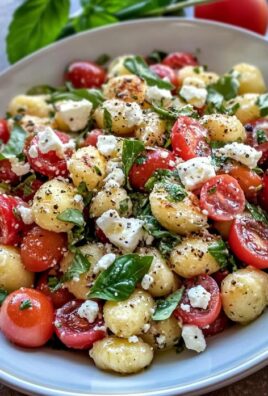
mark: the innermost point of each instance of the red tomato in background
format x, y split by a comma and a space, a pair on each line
248, 239
6, 173
252, 138
188, 139
31, 326
151, 160
84, 74
74, 331
177, 60
4, 131
49, 164
92, 138
198, 316
164, 71
59, 295
222, 197
42, 249
216, 327
249, 14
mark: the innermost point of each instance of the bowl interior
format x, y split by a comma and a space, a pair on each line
53, 372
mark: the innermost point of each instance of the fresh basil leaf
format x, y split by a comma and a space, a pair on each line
219, 251
160, 175
41, 90
154, 228
257, 213
138, 66
26, 185
258, 170
15, 145
83, 191
166, 245
140, 204
165, 308
78, 266
35, 24
225, 88
262, 102
131, 150
93, 17
157, 56
173, 114
3, 295
102, 59
74, 216
176, 192
261, 136
119, 280
107, 120
25, 304
92, 95
123, 206
54, 283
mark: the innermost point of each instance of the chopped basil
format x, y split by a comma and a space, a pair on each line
41, 90
25, 304
212, 190
220, 251
53, 283
107, 120
119, 280
166, 245
262, 102
165, 308
123, 206
160, 175
92, 95
257, 213
5, 186
173, 114
225, 88
97, 170
141, 159
74, 216
26, 185
131, 150
102, 59
78, 266
3, 295
176, 192
261, 136
138, 66
15, 145
258, 170
83, 191
140, 204
156, 56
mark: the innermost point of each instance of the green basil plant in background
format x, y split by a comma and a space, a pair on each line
37, 23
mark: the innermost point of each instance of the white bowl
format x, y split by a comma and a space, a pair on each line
229, 356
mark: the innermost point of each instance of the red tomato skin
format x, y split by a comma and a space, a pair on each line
59, 297
35, 185
220, 275
4, 131
218, 326
6, 173
244, 236
263, 194
92, 138
154, 159
188, 139
31, 327
163, 71
249, 14
226, 202
100, 235
85, 74
49, 164
196, 316
76, 332
42, 249
248, 180
252, 140
177, 60
11, 225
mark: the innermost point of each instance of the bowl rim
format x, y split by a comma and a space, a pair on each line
226, 377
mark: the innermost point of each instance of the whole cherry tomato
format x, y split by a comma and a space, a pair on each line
4, 131
6, 173
85, 74
177, 60
164, 71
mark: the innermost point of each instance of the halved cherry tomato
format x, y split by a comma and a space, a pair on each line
198, 316
85, 74
222, 197
177, 60
164, 71
263, 195
4, 131
216, 327
147, 163
26, 318
248, 240
92, 138
49, 164
220, 275
27, 194
248, 180
42, 249
188, 139
6, 173
74, 331
58, 294
11, 224
257, 136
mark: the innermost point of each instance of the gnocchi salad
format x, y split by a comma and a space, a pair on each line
133, 208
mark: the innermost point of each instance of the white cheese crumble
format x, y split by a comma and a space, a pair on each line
33, 152
115, 179
194, 91
155, 94
199, 297
26, 214
131, 113
185, 307
146, 327
121, 232
194, 338
49, 141
147, 281
89, 310
104, 263
19, 168
106, 144
75, 114
240, 152
112, 165
161, 341
78, 198
195, 172
133, 339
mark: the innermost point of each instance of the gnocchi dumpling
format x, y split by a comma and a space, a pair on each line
31, 105
117, 67
111, 198
250, 79
152, 129
129, 88
248, 109
163, 334
224, 128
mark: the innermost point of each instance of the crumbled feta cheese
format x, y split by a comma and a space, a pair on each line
122, 232
199, 297
240, 152
26, 214
155, 94
19, 168
195, 172
146, 327
99, 328
133, 339
78, 198
48, 140
194, 91
148, 238
112, 165
104, 263
194, 338
130, 112
161, 341
147, 281
106, 144
185, 307
115, 179
75, 114
89, 310
33, 152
